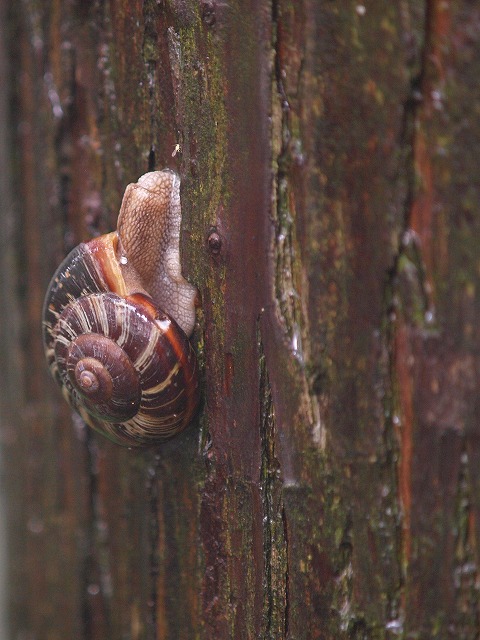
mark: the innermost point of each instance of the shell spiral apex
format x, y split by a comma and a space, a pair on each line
117, 319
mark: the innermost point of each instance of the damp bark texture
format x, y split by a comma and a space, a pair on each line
330, 486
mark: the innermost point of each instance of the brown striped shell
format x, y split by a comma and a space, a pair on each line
123, 363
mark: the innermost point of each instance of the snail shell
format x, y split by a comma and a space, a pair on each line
117, 317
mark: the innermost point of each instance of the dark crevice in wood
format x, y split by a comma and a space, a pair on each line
409, 245
409, 249
406, 143
406, 291
271, 490
287, 574
395, 612
12, 538
465, 568
150, 53
286, 266
153, 537
151, 158
267, 502
63, 149
95, 576
283, 251
86, 570
277, 64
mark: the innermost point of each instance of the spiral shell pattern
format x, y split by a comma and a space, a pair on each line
123, 364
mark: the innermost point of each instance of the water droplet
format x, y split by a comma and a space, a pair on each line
395, 626
35, 525
437, 99
93, 589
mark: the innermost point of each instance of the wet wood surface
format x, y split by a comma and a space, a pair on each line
329, 487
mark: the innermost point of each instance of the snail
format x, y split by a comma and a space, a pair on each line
117, 319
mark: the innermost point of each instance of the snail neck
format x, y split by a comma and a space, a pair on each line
148, 249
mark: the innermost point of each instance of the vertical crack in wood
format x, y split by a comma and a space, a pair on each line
407, 259
466, 574
406, 279
11, 396
287, 293
275, 605
290, 286
415, 241
408, 250
430, 397
96, 577
286, 626
150, 57
153, 559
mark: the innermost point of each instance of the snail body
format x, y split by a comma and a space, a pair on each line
117, 319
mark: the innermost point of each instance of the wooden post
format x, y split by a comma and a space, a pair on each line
329, 486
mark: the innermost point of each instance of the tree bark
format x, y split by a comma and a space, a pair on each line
329, 487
